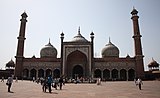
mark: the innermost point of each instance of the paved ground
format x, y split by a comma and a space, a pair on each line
127, 89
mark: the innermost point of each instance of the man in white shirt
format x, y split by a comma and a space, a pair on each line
139, 82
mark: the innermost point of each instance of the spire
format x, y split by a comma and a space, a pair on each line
62, 34
49, 43
79, 31
109, 41
92, 35
134, 12
24, 15
49, 40
153, 59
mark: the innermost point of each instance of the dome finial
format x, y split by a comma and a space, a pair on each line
79, 30
109, 40
49, 40
133, 7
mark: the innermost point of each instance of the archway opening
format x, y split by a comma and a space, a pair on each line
106, 74
114, 74
131, 74
25, 73
77, 58
97, 73
48, 72
41, 73
33, 73
123, 74
77, 72
56, 73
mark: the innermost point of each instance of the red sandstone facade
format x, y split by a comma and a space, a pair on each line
77, 58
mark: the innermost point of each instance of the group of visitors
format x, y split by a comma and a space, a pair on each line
49, 82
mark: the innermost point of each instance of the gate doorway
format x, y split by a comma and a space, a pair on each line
77, 72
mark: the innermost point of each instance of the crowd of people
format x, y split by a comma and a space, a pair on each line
49, 82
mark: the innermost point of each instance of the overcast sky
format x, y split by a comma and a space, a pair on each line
106, 18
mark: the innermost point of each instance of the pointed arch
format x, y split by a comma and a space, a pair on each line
97, 73
76, 58
106, 74
40, 73
33, 73
123, 74
48, 72
114, 74
131, 74
25, 73
56, 73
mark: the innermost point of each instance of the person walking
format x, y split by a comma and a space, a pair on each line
9, 83
61, 82
49, 82
98, 81
44, 84
139, 83
56, 81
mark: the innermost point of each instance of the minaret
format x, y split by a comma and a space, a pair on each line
20, 47
62, 68
137, 45
92, 52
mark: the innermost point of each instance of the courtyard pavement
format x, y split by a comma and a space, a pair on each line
116, 89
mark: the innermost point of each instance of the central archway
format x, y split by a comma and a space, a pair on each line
77, 64
77, 72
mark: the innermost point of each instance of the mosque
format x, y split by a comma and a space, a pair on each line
77, 58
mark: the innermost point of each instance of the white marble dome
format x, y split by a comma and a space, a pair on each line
110, 50
49, 51
79, 37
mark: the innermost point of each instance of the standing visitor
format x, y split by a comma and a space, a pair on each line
139, 83
9, 83
56, 81
33, 79
98, 81
44, 84
49, 82
61, 82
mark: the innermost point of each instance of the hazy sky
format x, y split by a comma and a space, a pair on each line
106, 18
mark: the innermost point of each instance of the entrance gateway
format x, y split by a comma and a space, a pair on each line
76, 64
